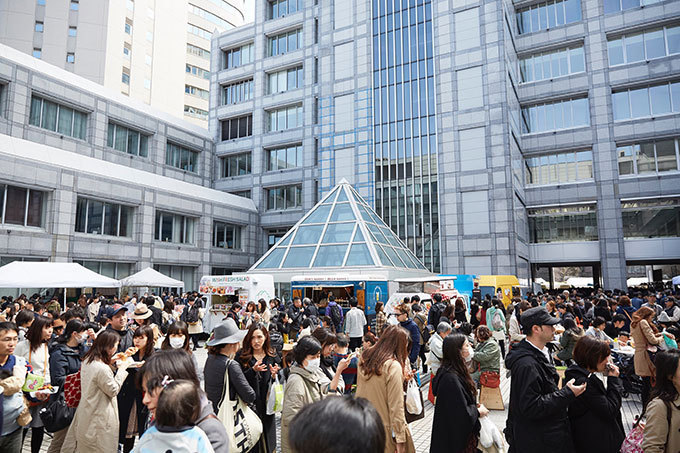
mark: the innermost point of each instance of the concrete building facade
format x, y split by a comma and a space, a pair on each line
531, 138
151, 50
96, 177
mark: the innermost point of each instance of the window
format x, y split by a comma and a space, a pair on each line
284, 80
22, 206
555, 115
148, 60
180, 157
648, 158
70, 57
237, 127
125, 77
199, 52
39, 27
646, 101
273, 236
547, 15
647, 45
235, 165
207, 15
198, 92
466, 29
239, 56
286, 197
198, 31
563, 224
147, 84
284, 42
559, 168
72, 31
184, 273
75, 5
41, 2
198, 72
226, 235
127, 140
237, 92
613, 6
149, 36
282, 158
552, 64
242, 193
651, 218
127, 50
195, 112
128, 26
174, 228
58, 118
37, 53
108, 269
284, 118
279, 8
100, 217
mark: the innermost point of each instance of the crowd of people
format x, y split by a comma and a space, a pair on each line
110, 375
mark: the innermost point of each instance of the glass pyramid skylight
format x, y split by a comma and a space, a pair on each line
341, 231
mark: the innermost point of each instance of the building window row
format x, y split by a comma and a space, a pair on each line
198, 31
58, 118
238, 127
210, 17
286, 197
198, 51
613, 6
181, 157
559, 168
236, 165
282, 158
21, 206
563, 224
195, 112
198, 92
174, 228
99, 217
127, 140
227, 236
646, 45
279, 8
646, 101
243, 193
552, 64
651, 218
198, 72
285, 80
547, 15
237, 92
284, 42
284, 118
555, 115
239, 56
108, 268
649, 158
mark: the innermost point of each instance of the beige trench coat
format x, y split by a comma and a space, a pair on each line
642, 336
657, 428
302, 388
95, 426
386, 393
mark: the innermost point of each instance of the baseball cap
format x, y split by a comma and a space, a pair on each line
537, 316
113, 310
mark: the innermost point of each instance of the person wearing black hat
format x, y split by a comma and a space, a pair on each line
537, 416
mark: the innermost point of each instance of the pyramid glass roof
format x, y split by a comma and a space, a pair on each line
342, 231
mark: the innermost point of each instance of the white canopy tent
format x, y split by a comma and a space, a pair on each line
676, 280
44, 274
151, 278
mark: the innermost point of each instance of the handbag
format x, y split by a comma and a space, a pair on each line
490, 379
275, 397
72, 389
414, 409
56, 415
633, 441
242, 424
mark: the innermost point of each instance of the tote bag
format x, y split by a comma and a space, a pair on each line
242, 424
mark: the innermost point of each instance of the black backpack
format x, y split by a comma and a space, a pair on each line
336, 317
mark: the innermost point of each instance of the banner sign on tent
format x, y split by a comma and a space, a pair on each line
222, 285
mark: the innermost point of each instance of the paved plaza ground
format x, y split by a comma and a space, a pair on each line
421, 429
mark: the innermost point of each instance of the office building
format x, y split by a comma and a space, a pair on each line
538, 139
156, 51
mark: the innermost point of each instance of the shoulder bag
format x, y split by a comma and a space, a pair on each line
72, 389
633, 441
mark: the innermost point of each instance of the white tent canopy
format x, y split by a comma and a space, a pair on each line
151, 278
27, 274
676, 280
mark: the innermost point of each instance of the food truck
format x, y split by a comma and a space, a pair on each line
368, 289
425, 287
223, 290
507, 285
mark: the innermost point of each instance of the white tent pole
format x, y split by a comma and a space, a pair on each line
64, 299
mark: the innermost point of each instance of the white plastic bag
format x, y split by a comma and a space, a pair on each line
486, 432
275, 397
414, 404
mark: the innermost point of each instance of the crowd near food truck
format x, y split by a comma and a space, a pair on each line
505, 285
425, 287
223, 290
368, 289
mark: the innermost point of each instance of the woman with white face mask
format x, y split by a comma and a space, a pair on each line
303, 386
177, 337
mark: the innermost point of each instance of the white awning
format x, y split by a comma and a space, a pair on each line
26, 274
151, 278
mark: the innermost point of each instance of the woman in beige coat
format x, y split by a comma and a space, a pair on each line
646, 336
95, 426
380, 379
660, 434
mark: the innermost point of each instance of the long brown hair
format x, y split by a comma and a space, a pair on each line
645, 313
101, 348
394, 343
146, 331
34, 334
247, 350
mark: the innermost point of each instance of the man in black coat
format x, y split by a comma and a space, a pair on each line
537, 417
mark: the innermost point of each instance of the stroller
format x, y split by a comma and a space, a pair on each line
632, 383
